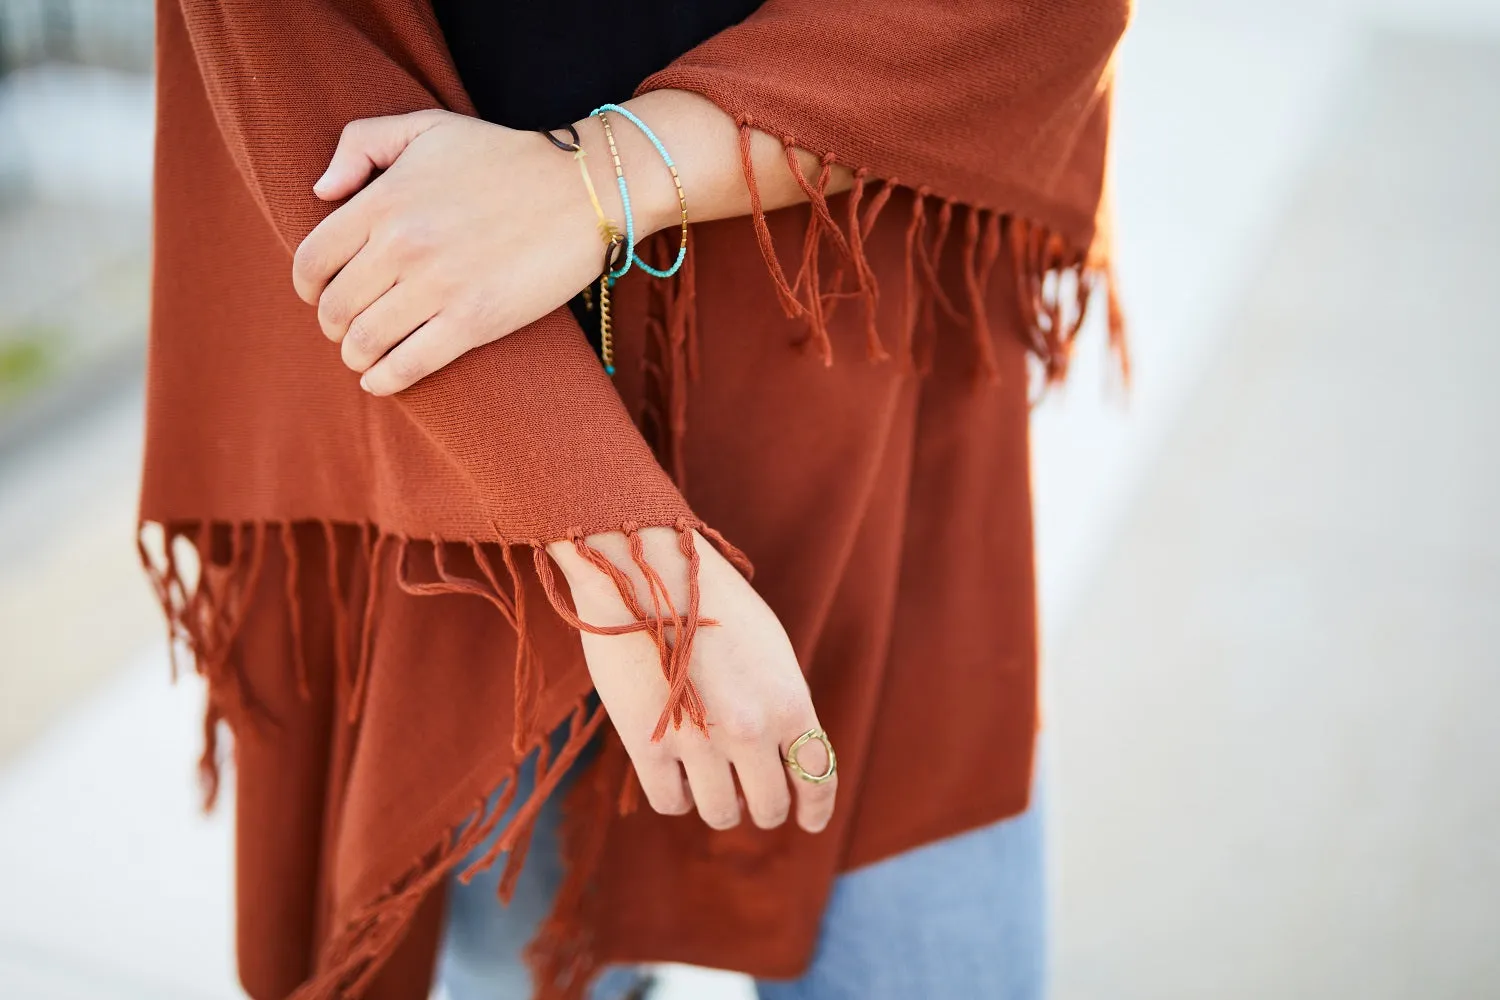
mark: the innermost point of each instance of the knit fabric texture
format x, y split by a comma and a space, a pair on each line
841, 389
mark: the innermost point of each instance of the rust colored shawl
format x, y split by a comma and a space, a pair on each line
840, 388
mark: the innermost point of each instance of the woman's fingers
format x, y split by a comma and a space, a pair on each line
712, 788
430, 347
332, 244
663, 784
368, 145
387, 321
763, 780
363, 280
814, 798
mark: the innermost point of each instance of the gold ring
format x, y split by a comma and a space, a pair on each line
791, 757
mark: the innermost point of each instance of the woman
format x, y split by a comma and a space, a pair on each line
382, 544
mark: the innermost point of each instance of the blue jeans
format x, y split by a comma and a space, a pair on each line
961, 918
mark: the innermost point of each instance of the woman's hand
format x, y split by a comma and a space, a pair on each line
744, 668
473, 231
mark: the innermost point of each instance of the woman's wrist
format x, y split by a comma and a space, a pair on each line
705, 144
653, 196
595, 594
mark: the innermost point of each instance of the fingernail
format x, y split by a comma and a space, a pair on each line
322, 182
364, 383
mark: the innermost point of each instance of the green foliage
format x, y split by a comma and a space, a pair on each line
25, 359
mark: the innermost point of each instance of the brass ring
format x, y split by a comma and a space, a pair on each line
790, 760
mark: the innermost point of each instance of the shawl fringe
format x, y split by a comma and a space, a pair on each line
205, 574
1056, 280
1057, 283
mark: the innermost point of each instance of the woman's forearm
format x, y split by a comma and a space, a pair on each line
472, 230
705, 144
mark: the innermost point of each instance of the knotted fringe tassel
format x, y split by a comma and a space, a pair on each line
352, 958
914, 231
1056, 284
205, 576
1055, 280
376, 576
976, 277
1046, 269
671, 633
809, 285
527, 669
805, 297
868, 288
294, 609
784, 293
336, 597
207, 600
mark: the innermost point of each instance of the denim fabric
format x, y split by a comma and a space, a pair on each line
483, 941
961, 919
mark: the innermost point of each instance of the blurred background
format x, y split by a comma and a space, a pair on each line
1271, 576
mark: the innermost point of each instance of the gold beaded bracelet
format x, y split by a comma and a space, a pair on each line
608, 231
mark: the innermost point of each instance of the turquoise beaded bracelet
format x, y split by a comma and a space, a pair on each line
625, 193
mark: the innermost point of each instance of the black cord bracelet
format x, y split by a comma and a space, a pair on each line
565, 147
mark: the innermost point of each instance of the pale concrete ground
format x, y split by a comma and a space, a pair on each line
73, 277
1278, 768
74, 604
1266, 580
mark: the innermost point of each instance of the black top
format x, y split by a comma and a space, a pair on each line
539, 65
542, 65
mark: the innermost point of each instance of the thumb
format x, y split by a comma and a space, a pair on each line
367, 145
